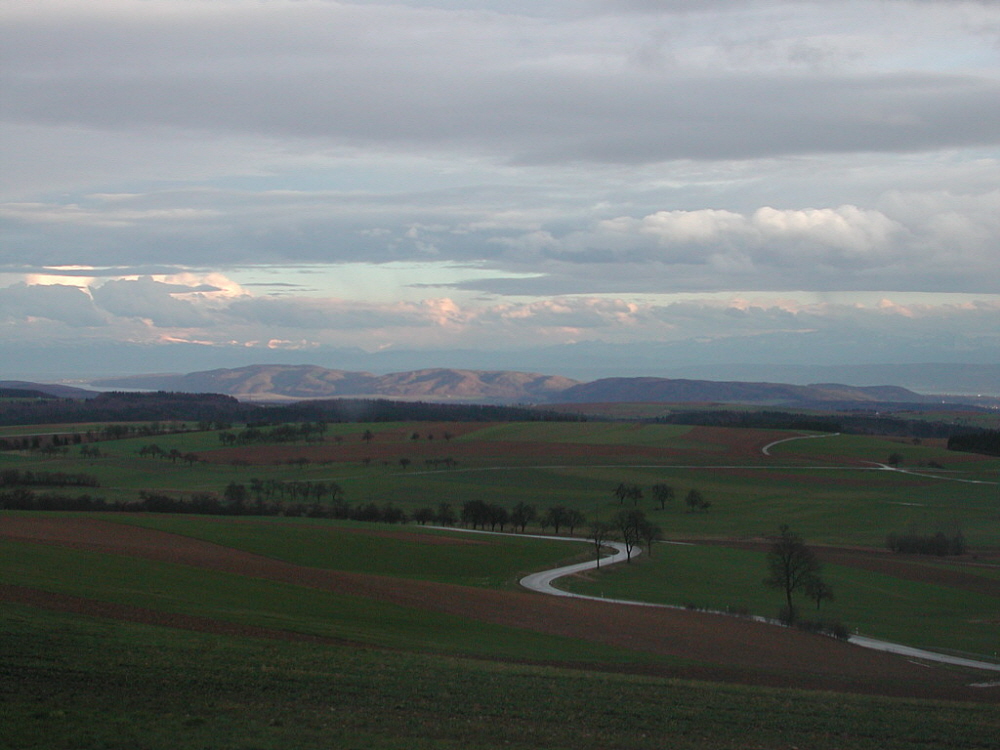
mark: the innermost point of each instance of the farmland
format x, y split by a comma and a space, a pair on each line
229, 631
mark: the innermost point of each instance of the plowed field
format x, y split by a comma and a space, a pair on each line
726, 648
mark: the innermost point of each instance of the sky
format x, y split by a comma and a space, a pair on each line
497, 181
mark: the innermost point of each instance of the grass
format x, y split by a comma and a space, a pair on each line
828, 504
915, 613
227, 597
78, 683
403, 552
430, 680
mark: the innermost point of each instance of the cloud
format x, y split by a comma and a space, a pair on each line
329, 315
581, 160
931, 242
150, 300
57, 302
846, 234
401, 78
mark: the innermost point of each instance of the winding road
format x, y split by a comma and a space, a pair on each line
542, 583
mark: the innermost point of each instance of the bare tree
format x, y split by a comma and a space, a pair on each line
600, 531
628, 524
522, 515
791, 566
574, 518
556, 516
628, 491
818, 590
695, 501
649, 532
662, 493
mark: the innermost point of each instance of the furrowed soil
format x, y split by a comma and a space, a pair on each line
728, 649
710, 444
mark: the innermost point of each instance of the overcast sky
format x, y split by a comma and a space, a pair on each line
303, 175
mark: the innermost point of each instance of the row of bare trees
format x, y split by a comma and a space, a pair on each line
662, 494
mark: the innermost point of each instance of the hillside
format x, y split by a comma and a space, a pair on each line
310, 382
259, 382
665, 390
43, 390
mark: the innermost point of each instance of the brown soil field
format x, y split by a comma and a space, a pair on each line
723, 648
511, 451
720, 445
739, 443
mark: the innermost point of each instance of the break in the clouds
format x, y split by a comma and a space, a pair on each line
498, 173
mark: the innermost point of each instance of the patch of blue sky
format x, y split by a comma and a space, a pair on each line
372, 282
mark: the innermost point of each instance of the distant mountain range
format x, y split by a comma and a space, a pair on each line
260, 382
285, 382
27, 389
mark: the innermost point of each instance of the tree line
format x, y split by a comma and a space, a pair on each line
939, 544
200, 503
857, 422
27, 478
214, 407
281, 433
983, 441
662, 493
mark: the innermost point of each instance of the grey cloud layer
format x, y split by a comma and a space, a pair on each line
152, 311
613, 148
409, 78
909, 241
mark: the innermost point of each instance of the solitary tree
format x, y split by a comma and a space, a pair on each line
662, 493
791, 566
695, 501
817, 589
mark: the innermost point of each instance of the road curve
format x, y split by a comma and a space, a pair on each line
542, 583
766, 450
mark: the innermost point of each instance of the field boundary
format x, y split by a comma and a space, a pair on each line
542, 582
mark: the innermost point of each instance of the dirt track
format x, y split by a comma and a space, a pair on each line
727, 648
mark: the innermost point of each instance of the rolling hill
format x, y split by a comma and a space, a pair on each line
260, 382
311, 382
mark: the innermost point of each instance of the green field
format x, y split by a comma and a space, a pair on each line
332, 545
817, 486
874, 604
396, 676
156, 688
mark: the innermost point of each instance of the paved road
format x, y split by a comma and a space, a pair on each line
542, 583
766, 450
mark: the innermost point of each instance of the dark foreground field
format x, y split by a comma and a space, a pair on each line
105, 664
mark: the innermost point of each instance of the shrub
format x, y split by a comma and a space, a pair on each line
927, 544
835, 629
